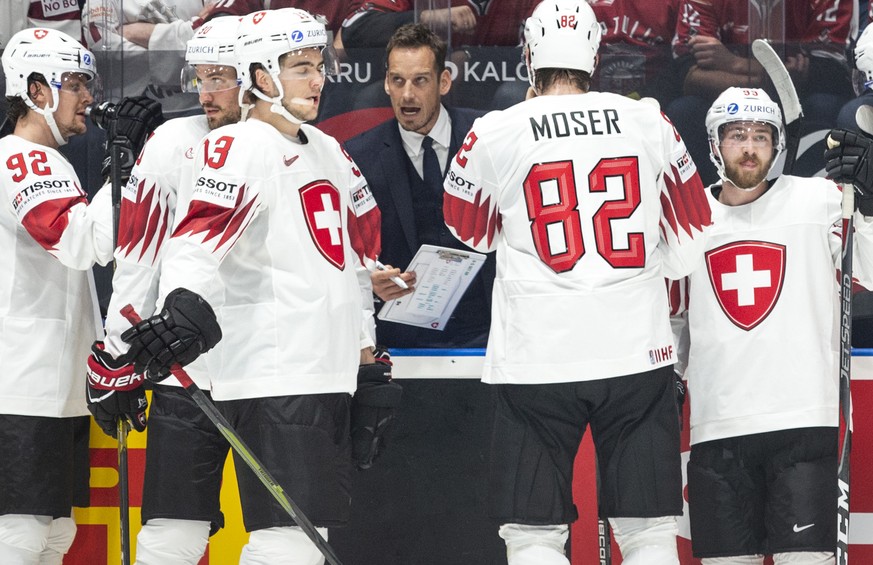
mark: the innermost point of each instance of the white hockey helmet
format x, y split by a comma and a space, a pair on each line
562, 34
864, 58
51, 53
742, 105
265, 36
214, 45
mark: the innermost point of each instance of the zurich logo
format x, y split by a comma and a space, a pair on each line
733, 108
296, 36
86, 58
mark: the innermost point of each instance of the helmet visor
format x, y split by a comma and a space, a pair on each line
309, 64
757, 134
209, 78
79, 84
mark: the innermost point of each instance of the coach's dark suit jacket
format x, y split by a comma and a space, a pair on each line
432, 475
380, 155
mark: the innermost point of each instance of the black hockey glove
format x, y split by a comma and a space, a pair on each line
180, 333
373, 409
134, 119
114, 391
850, 162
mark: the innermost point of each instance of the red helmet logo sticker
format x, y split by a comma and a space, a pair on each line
747, 277
40, 33
258, 17
324, 218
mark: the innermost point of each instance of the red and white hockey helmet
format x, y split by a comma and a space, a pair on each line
48, 52
267, 35
742, 105
57, 57
562, 34
264, 37
214, 45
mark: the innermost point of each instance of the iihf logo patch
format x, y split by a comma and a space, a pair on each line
296, 36
661, 354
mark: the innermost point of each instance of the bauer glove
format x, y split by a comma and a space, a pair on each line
850, 162
114, 391
133, 121
373, 409
180, 333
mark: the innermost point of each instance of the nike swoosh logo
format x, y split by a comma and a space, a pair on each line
290, 160
801, 528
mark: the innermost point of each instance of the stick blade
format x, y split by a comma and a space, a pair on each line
775, 68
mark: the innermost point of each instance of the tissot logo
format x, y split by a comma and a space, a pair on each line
747, 277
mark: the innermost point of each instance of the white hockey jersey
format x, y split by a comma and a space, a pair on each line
49, 239
265, 241
762, 313
589, 200
148, 207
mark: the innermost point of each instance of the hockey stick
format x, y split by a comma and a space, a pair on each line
604, 538
123, 490
604, 542
845, 370
123, 426
241, 449
791, 109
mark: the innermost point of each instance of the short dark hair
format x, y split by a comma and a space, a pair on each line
18, 107
545, 78
412, 36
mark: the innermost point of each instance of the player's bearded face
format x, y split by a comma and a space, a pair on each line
75, 96
415, 87
219, 95
747, 152
302, 77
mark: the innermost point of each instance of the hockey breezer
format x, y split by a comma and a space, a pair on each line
788, 98
240, 447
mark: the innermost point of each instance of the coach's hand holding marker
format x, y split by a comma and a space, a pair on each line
389, 283
395, 279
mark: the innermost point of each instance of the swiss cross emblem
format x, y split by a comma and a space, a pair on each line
40, 33
321, 205
258, 17
747, 278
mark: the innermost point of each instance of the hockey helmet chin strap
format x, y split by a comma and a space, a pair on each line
276, 105
49, 114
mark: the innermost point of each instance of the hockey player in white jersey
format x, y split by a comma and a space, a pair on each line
590, 199
763, 349
266, 241
50, 237
185, 453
